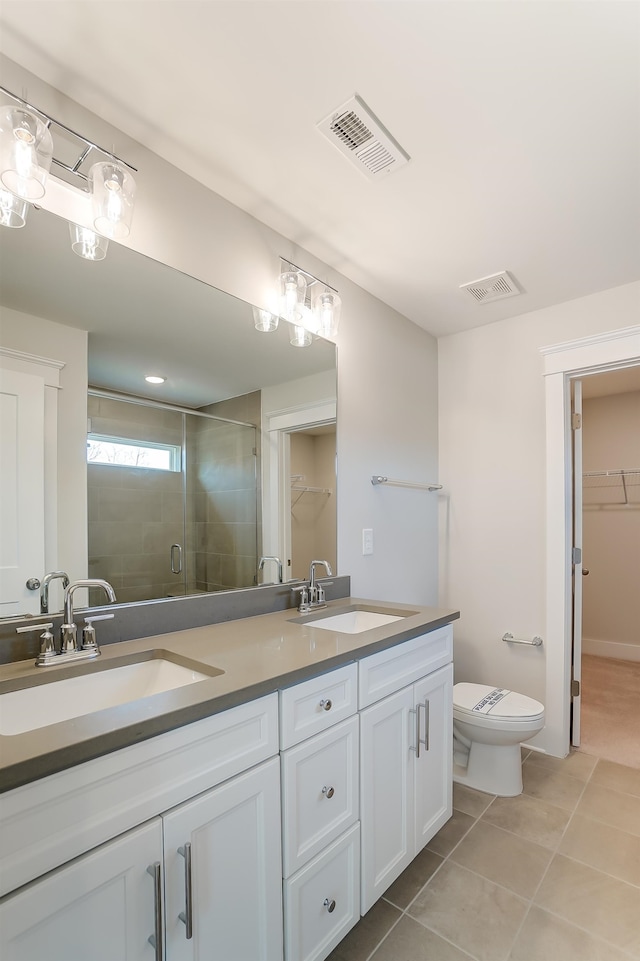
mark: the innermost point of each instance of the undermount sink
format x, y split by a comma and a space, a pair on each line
49, 701
354, 621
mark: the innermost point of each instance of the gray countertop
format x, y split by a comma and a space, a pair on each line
258, 655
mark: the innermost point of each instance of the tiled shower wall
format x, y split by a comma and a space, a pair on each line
136, 514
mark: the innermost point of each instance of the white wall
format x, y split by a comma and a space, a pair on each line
611, 531
492, 463
35, 335
387, 367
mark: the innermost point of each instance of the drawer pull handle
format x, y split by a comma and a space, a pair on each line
155, 939
328, 792
330, 905
326, 704
186, 916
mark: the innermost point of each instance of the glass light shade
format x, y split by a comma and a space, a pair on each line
264, 320
26, 150
300, 336
88, 244
113, 190
13, 210
326, 306
293, 290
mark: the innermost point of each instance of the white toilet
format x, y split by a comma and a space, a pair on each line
488, 726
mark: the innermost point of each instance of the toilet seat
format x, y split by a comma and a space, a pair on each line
482, 704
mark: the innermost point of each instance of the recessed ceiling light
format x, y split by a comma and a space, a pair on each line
153, 379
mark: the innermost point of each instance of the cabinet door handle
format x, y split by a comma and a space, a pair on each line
427, 724
329, 904
155, 939
328, 792
186, 916
326, 704
416, 711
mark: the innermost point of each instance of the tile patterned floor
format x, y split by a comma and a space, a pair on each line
551, 875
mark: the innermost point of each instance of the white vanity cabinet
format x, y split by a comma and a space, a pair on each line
406, 694
212, 861
320, 812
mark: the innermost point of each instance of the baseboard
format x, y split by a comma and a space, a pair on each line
614, 649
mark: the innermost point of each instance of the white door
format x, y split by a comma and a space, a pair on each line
433, 780
223, 871
387, 753
21, 490
576, 560
100, 907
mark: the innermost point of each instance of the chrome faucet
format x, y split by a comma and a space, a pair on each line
69, 649
312, 595
44, 588
271, 557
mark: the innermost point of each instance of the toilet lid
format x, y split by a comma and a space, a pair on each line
498, 702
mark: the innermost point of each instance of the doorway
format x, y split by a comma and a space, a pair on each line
616, 349
610, 519
312, 469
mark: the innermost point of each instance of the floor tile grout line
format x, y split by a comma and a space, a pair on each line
590, 934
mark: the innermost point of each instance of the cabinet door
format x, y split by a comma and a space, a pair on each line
433, 776
387, 752
231, 836
97, 908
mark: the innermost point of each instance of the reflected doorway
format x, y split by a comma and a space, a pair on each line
312, 511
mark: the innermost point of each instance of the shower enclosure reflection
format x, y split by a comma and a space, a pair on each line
173, 499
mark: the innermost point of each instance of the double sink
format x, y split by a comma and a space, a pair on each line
50, 699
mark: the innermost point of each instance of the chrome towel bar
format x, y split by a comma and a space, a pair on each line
379, 479
535, 641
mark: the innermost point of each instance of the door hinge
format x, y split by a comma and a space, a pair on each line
576, 421
576, 555
575, 688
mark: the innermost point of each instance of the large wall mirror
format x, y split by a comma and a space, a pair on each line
191, 482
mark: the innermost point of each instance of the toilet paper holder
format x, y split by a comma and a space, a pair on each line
534, 642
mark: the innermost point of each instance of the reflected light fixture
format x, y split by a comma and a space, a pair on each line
300, 336
26, 152
264, 320
113, 190
154, 379
13, 210
88, 244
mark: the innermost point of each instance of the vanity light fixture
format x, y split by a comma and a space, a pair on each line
313, 307
87, 243
264, 320
26, 152
154, 379
13, 210
28, 138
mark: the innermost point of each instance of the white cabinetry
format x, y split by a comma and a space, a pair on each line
320, 810
405, 755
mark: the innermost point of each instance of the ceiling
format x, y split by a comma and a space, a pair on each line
521, 119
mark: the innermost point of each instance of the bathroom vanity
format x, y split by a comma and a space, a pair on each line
258, 812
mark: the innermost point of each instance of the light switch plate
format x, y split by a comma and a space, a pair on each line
367, 540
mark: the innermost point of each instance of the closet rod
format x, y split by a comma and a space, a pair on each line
379, 479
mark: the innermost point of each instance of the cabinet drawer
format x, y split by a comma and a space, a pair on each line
39, 822
320, 792
321, 902
387, 671
316, 704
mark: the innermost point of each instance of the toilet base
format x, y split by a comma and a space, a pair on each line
492, 768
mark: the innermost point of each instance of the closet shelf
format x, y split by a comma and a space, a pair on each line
611, 487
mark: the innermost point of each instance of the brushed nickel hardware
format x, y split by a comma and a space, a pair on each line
380, 479
33, 584
176, 568
417, 731
328, 792
330, 905
276, 560
534, 642
427, 724
155, 939
186, 916
69, 650
47, 642
326, 704
312, 595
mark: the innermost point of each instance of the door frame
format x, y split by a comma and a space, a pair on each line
612, 350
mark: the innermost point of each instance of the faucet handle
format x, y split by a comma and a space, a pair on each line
89, 642
98, 617
304, 596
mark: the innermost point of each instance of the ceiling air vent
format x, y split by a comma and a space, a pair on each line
496, 287
356, 132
